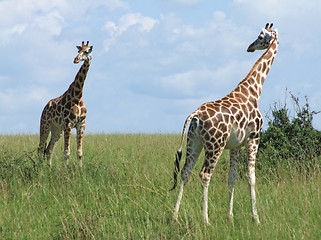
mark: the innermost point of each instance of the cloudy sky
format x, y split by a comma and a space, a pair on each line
154, 61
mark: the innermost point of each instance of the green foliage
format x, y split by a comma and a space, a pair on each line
291, 141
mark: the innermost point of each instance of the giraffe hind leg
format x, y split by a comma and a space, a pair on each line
211, 158
55, 135
193, 150
44, 133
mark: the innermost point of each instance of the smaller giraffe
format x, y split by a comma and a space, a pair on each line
229, 123
68, 111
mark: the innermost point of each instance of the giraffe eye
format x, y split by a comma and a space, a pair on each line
260, 37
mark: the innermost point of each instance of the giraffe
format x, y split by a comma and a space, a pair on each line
229, 123
68, 111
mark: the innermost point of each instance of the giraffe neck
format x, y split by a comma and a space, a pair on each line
76, 87
253, 82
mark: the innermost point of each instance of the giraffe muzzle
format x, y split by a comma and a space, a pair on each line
251, 48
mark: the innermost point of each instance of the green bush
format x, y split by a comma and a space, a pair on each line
290, 141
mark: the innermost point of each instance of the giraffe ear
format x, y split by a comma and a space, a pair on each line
90, 49
78, 47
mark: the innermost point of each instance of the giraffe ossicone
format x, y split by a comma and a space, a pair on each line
229, 123
66, 112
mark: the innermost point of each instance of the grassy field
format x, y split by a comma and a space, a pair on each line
122, 193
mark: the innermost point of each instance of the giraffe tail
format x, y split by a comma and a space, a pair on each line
179, 152
177, 168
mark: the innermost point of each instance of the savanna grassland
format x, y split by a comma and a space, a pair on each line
122, 193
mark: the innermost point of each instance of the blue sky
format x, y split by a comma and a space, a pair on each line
154, 62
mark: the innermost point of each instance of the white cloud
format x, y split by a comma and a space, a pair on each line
52, 23
111, 28
188, 2
219, 34
17, 29
198, 83
141, 24
17, 99
296, 21
145, 24
112, 4
7, 34
32, 18
45, 18
277, 9
191, 53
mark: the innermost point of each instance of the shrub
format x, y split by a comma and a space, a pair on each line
290, 141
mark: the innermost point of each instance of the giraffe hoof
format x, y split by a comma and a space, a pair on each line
256, 220
174, 218
207, 223
230, 218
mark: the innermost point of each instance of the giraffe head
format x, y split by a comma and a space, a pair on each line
264, 39
84, 52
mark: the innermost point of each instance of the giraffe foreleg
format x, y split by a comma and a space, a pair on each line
80, 133
67, 134
252, 148
234, 155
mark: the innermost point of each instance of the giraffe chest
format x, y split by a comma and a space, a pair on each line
69, 114
237, 139
242, 131
75, 114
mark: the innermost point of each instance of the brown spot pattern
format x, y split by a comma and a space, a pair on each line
64, 113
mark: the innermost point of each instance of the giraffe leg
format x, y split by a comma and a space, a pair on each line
211, 158
205, 185
193, 150
178, 201
67, 134
234, 155
80, 133
252, 150
44, 133
55, 135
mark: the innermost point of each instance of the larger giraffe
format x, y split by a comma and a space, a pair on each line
228, 123
66, 112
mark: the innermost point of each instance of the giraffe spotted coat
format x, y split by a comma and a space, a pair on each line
229, 123
68, 111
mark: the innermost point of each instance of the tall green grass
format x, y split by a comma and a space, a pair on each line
122, 193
